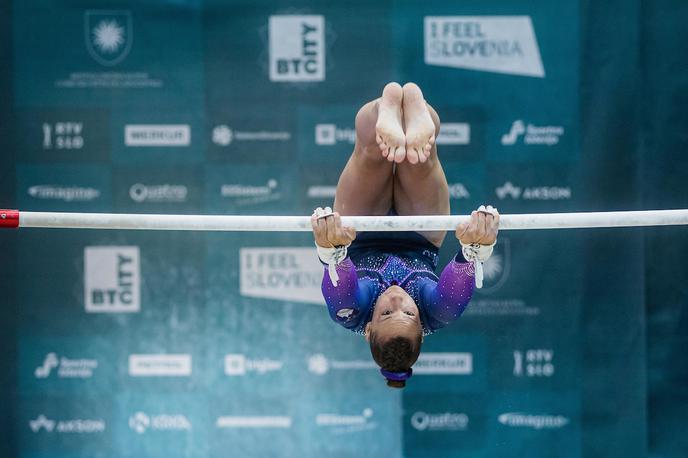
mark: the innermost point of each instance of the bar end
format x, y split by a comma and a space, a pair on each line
9, 218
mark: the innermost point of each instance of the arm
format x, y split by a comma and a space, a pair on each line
446, 301
349, 301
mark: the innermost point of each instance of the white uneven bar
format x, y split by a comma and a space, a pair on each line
361, 223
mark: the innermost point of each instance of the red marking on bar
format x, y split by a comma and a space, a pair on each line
9, 218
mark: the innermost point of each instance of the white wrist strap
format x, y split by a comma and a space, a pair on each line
332, 256
477, 254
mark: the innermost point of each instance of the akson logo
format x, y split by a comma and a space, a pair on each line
297, 48
509, 190
499, 44
112, 279
73, 426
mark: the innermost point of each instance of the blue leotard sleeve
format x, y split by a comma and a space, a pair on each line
350, 301
446, 300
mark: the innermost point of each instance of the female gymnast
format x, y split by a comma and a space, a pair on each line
383, 284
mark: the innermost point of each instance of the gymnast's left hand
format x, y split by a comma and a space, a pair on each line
482, 227
328, 230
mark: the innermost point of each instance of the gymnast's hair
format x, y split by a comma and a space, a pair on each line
396, 355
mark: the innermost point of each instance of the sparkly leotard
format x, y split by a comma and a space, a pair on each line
439, 300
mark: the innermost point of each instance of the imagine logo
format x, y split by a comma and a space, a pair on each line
532, 135
112, 279
499, 44
540, 421
297, 48
108, 35
63, 193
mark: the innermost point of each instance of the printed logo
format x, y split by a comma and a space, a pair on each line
331, 134
509, 190
147, 135
222, 135
286, 274
140, 192
498, 44
537, 362
524, 420
74, 426
66, 367
297, 48
532, 135
444, 364
261, 422
160, 365
454, 133
458, 191
321, 192
141, 422
63, 135
63, 193
446, 421
246, 195
109, 35
319, 364
340, 424
238, 365
497, 268
112, 279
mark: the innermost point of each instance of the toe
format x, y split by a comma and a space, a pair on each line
413, 155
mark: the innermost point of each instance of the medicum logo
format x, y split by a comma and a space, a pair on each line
160, 365
445, 421
238, 365
444, 364
497, 44
72, 426
157, 135
533, 421
531, 134
141, 422
108, 35
297, 48
64, 367
454, 133
112, 279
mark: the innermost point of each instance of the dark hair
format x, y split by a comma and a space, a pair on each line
395, 355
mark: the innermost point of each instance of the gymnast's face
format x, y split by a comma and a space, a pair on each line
395, 314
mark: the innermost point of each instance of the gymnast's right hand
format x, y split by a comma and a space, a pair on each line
328, 230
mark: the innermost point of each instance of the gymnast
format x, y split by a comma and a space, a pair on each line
382, 284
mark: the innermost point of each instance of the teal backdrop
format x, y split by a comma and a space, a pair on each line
147, 344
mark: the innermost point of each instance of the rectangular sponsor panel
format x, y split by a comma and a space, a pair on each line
112, 279
170, 190
161, 365
297, 48
143, 135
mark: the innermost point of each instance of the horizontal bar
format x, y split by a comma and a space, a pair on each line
361, 223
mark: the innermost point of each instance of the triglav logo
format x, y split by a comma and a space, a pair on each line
458, 191
444, 364
66, 367
538, 362
508, 189
454, 133
149, 135
74, 426
64, 193
524, 420
347, 423
286, 274
63, 135
499, 44
140, 192
532, 135
330, 134
319, 364
297, 48
238, 365
112, 279
141, 422
446, 421
253, 421
160, 365
109, 35
222, 135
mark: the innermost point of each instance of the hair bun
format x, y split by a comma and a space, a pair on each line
396, 383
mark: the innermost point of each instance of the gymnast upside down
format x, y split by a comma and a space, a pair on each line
383, 284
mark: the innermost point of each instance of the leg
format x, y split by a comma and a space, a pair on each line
365, 185
421, 188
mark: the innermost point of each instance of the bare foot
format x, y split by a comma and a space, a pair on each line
420, 130
388, 131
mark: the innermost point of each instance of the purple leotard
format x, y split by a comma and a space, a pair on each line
440, 301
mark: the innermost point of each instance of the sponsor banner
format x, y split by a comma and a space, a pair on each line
287, 274
161, 365
238, 365
543, 138
158, 190
43, 424
498, 44
533, 421
163, 135
534, 362
141, 423
297, 48
338, 423
249, 137
106, 50
454, 133
320, 364
444, 364
261, 422
112, 279
64, 188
